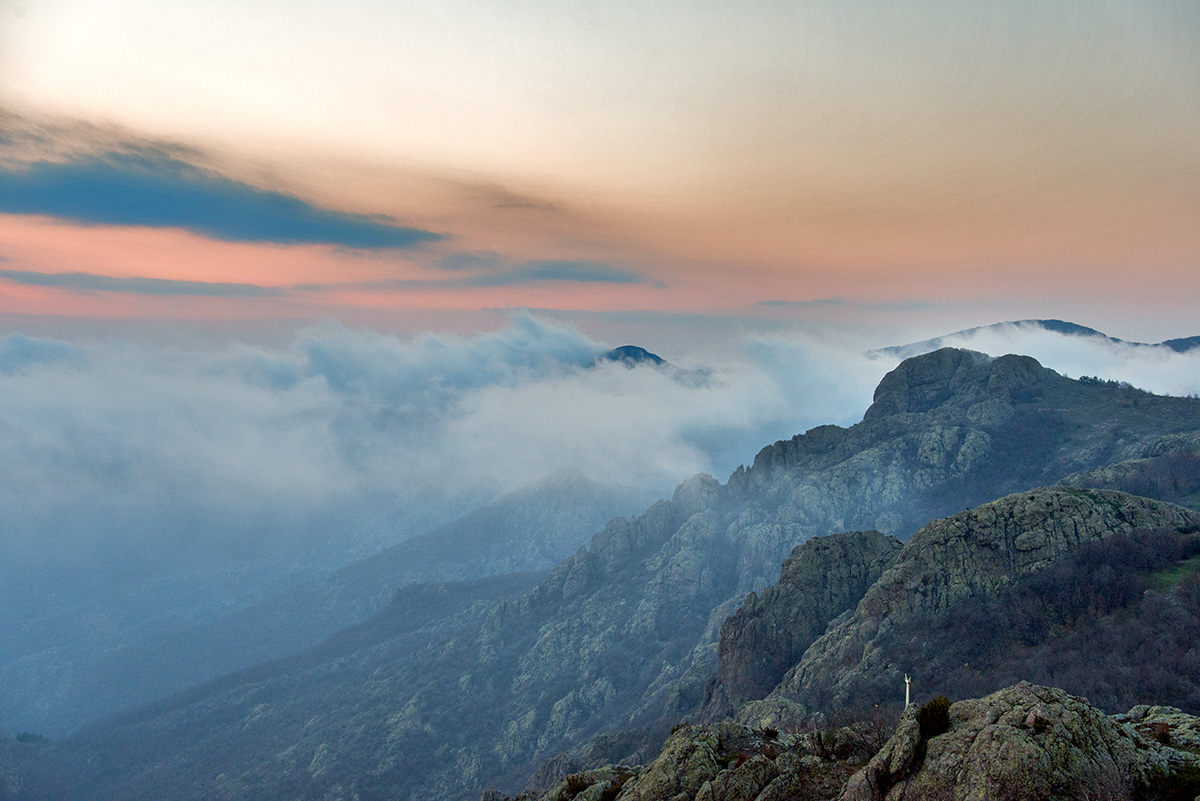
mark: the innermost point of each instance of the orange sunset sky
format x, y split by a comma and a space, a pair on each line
907, 168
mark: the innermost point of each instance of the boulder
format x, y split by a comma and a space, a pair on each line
1023, 742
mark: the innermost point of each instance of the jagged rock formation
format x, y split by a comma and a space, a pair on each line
624, 634
974, 553
760, 642
1025, 742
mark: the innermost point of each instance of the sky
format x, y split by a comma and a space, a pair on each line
284, 283
669, 172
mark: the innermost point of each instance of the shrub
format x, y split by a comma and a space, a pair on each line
1161, 731
934, 717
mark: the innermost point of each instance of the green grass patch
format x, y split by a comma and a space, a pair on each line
1165, 580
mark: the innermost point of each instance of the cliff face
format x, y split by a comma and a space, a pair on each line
979, 552
760, 642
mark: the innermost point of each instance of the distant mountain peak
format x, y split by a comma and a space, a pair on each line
631, 355
1062, 327
1181, 345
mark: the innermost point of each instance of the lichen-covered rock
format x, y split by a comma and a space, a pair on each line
690, 758
728, 762
1165, 724
592, 785
741, 782
1023, 742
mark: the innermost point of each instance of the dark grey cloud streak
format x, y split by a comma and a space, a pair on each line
589, 272
144, 189
489, 269
482, 270
580, 272
139, 286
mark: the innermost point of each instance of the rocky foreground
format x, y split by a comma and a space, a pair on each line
1022, 742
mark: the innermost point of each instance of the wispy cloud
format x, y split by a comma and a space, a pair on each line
18, 351
490, 269
139, 286
471, 262
487, 269
805, 303
582, 272
903, 305
153, 190
135, 448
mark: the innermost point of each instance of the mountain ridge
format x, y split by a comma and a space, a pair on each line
1063, 327
527, 530
625, 634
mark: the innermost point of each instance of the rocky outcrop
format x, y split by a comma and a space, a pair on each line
923, 384
1165, 724
822, 578
727, 762
974, 553
592, 785
1023, 742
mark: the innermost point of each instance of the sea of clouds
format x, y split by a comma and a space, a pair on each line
122, 456
124, 460
149, 486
